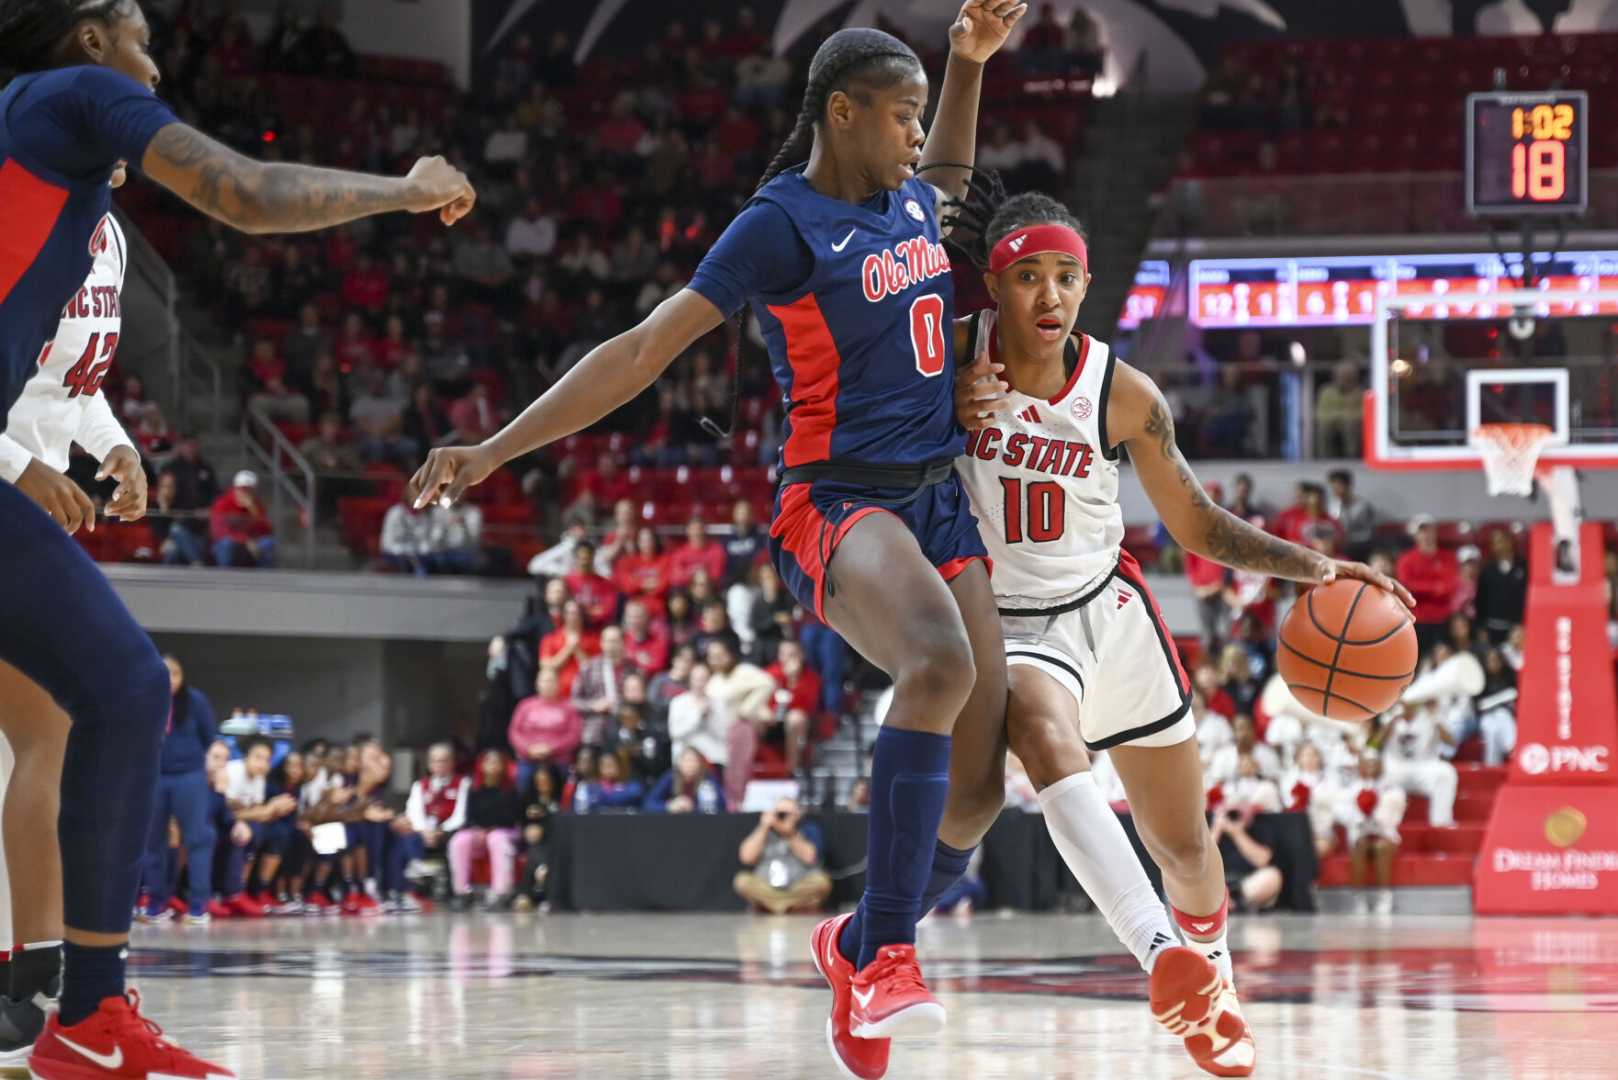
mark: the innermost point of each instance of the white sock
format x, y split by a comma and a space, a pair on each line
1096, 849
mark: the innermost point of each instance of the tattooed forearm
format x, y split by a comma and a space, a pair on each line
259, 197
1217, 533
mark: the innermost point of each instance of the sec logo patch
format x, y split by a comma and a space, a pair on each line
913, 208
1082, 408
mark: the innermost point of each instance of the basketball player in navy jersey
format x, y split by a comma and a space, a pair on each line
84, 103
841, 261
1092, 665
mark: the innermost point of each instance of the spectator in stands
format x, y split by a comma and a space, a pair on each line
454, 538
378, 419
598, 690
1502, 588
426, 424
545, 730
1224, 769
699, 720
747, 694
1228, 429
246, 792
1207, 580
1300, 521
1308, 787
1237, 679
482, 265
697, 553
437, 804
541, 803
761, 80
557, 560
239, 526
1411, 741
745, 544
769, 611
323, 50
404, 544
1254, 880
179, 541
681, 618
646, 643
1431, 575
1496, 709
494, 813
328, 453
795, 703
714, 625
1340, 414
640, 744
475, 417
226, 878
668, 685
1370, 811
828, 654
687, 788
595, 593
1356, 516
1042, 49
532, 233
609, 790
1245, 504
781, 867
620, 538
197, 482
565, 649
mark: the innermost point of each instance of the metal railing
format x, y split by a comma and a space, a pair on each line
263, 443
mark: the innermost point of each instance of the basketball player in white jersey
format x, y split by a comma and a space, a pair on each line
60, 405
1091, 663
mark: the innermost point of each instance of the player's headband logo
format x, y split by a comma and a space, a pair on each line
1038, 240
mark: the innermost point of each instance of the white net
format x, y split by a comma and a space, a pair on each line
1509, 453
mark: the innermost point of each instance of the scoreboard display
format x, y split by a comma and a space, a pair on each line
1342, 290
1527, 153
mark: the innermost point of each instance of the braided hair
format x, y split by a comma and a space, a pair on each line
32, 31
856, 61
985, 215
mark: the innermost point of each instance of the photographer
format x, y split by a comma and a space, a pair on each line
781, 862
1253, 879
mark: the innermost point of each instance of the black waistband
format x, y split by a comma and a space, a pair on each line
898, 477
1071, 605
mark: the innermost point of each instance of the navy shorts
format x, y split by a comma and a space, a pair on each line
811, 519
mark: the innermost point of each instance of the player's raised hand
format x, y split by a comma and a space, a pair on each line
982, 28
980, 393
438, 185
447, 473
58, 496
128, 501
1342, 568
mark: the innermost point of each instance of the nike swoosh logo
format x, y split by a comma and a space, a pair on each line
864, 999
846, 239
106, 1061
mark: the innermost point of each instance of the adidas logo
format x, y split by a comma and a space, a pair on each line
1016, 244
1159, 941
1029, 415
1124, 598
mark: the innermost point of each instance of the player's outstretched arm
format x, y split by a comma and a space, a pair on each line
610, 375
1139, 418
977, 34
275, 197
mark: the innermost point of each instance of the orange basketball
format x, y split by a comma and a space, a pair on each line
1348, 650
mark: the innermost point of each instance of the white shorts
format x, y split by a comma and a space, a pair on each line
1112, 651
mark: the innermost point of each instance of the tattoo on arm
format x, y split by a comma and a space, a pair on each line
1226, 538
264, 197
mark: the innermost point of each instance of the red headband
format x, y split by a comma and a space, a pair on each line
1038, 240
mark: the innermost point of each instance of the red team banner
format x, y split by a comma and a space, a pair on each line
1552, 842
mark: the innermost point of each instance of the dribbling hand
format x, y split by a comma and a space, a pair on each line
1340, 568
438, 185
447, 474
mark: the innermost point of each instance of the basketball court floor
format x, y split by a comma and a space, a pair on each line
735, 997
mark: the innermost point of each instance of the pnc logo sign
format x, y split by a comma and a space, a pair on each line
1536, 759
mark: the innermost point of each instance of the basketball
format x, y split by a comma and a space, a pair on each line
1348, 650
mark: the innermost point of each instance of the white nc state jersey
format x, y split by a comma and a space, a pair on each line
1043, 484
62, 403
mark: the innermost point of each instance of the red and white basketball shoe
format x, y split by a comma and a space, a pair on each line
890, 998
1193, 1001
115, 1043
857, 1059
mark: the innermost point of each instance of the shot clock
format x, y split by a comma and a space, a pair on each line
1526, 153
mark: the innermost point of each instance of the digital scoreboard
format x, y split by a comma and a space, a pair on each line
1527, 153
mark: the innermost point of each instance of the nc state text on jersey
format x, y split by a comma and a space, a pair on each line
94, 302
1058, 457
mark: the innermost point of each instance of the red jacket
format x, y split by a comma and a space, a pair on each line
595, 594
805, 692
651, 653
1432, 580
1201, 572
643, 576
685, 560
230, 519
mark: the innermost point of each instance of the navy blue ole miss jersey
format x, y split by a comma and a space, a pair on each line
61, 133
855, 303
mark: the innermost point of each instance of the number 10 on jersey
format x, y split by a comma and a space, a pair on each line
1040, 518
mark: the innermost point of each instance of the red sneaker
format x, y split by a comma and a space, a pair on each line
318, 903
219, 909
244, 906
890, 998
366, 902
857, 1059
178, 905
115, 1043
1192, 1000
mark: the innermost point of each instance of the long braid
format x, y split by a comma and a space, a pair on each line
32, 30
986, 214
850, 56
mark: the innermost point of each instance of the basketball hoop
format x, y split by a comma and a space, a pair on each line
1509, 453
